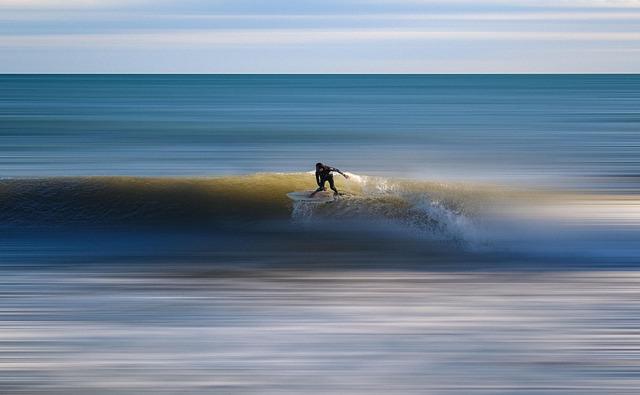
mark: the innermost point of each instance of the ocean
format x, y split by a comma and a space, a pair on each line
516, 128
486, 241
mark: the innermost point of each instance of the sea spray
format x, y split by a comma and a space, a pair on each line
385, 203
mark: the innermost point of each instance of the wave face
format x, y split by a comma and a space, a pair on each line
252, 213
396, 208
138, 200
243, 220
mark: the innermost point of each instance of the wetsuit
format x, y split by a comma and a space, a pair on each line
323, 175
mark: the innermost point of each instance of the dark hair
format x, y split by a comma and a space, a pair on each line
319, 164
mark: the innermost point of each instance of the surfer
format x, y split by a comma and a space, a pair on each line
324, 173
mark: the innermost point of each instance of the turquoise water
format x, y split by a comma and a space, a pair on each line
576, 130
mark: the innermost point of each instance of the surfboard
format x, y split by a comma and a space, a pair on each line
303, 196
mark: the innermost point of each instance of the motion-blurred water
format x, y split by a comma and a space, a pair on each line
487, 240
209, 332
520, 128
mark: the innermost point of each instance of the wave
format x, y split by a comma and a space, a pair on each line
421, 209
376, 213
425, 207
108, 200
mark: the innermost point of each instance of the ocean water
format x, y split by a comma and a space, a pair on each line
517, 128
486, 241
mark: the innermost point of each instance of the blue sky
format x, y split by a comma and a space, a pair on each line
323, 36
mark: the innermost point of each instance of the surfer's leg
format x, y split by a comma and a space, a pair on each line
332, 186
320, 188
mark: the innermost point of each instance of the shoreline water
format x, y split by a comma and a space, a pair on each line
317, 332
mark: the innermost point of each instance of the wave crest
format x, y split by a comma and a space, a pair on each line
423, 209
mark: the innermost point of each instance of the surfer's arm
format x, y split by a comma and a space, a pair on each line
318, 178
341, 173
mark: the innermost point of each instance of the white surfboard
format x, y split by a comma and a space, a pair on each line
303, 196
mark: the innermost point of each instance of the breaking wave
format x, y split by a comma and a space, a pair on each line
438, 210
421, 209
375, 213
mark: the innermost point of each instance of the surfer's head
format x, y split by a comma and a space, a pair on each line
319, 165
